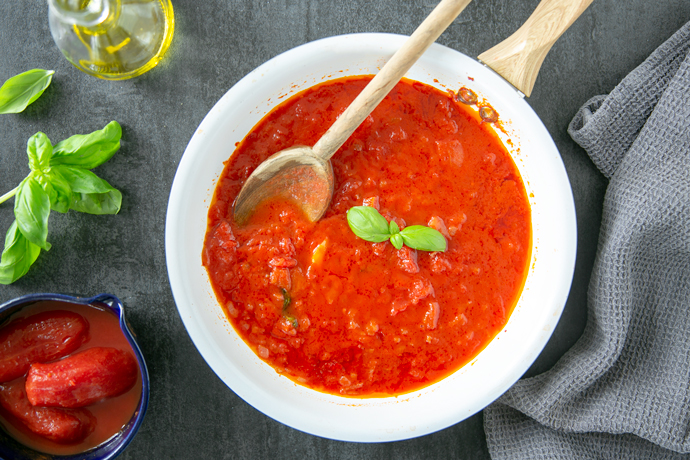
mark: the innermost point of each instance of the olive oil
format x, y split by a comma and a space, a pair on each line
112, 39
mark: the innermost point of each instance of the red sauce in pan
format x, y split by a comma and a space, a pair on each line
346, 316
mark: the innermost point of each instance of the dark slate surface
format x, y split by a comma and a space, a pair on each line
192, 414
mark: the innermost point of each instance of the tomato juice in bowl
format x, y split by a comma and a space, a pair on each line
433, 407
74, 383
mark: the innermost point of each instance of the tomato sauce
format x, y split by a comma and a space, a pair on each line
111, 414
346, 316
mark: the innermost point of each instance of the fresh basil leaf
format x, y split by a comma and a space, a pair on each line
39, 149
368, 224
88, 150
90, 193
62, 199
31, 209
47, 187
19, 254
393, 228
82, 180
21, 90
62, 186
397, 241
97, 203
423, 238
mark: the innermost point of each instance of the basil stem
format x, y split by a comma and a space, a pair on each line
9, 194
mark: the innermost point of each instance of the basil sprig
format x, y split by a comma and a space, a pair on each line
21, 90
367, 223
59, 180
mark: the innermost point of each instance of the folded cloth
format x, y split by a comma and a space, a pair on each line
623, 390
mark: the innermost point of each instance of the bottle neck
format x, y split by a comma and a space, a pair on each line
85, 13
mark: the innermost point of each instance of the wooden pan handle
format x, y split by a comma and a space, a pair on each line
372, 94
519, 57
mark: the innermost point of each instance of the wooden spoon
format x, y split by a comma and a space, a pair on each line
304, 174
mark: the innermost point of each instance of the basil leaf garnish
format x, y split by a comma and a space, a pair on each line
88, 150
367, 223
18, 255
21, 90
397, 241
423, 238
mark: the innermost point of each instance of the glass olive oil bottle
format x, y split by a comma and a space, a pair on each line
112, 39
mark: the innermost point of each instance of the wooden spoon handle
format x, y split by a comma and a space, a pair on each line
519, 57
426, 34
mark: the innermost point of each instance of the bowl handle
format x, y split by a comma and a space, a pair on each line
109, 300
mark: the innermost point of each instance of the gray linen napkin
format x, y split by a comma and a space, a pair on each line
623, 390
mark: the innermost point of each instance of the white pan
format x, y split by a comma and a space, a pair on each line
538, 310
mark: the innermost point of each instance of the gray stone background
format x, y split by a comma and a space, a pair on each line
192, 414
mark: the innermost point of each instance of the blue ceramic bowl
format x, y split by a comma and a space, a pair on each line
12, 450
